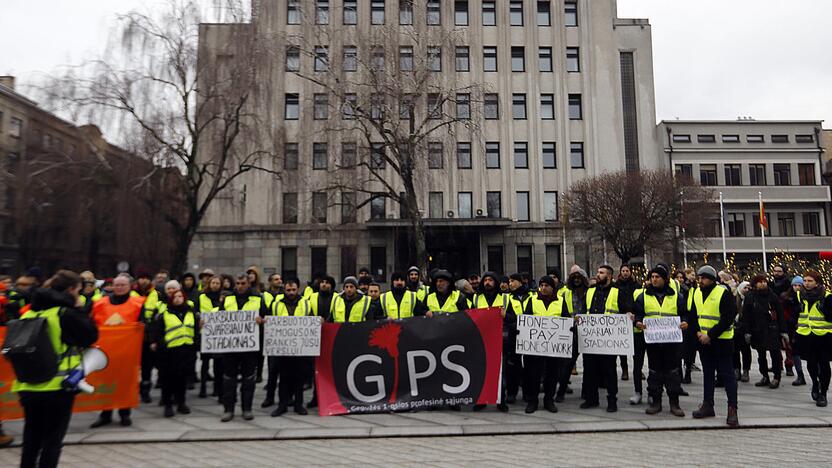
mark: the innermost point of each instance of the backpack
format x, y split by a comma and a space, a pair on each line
29, 349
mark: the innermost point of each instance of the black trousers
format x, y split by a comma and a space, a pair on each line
273, 375
776, 361
175, 368
690, 345
209, 360
664, 371
148, 363
47, 416
293, 373
122, 413
535, 368
512, 373
638, 361
742, 353
233, 365
716, 361
815, 350
600, 369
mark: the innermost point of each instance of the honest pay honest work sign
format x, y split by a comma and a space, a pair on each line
544, 336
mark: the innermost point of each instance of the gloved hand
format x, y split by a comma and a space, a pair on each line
748, 338
785, 337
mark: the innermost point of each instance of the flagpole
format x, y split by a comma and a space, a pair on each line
722, 225
684, 238
763, 231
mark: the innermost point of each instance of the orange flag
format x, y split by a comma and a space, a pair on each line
763, 220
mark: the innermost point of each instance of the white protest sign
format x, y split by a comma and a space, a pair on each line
544, 336
662, 330
230, 331
608, 334
292, 336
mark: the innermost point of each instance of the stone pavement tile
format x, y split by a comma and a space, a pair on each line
512, 417
508, 429
283, 422
412, 431
324, 433
683, 423
381, 420
76, 438
565, 416
329, 421
600, 426
127, 437
214, 423
230, 434
162, 424
777, 422
449, 418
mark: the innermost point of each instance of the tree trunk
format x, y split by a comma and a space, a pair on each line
184, 237
417, 224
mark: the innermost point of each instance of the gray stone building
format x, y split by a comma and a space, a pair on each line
781, 159
574, 94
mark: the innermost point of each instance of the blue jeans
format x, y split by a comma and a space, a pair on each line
724, 364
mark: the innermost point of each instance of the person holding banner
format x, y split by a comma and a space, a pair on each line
414, 283
545, 303
210, 301
323, 302
574, 299
293, 369
173, 334
401, 302
712, 317
661, 300
444, 298
513, 362
491, 297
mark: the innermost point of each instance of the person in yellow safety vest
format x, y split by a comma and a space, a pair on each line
47, 407
491, 297
546, 303
400, 302
603, 298
89, 293
712, 317
414, 283
659, 300
323, 303
204, 277
274, 289
574, 299
174, 337
352, 306
513, 362
444, 298
293, 370
814, 333
211, 300
638, 358
241, 364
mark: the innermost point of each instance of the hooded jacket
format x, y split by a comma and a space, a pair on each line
77, 328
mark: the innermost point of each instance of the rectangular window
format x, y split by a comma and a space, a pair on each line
681, 138
491, 106
544, 14
489, 13
755, 221
804, 138
547, 106
463, 106
377, 156
549, 155
570, 12
434, 13
518, 106
524, 259
521, 155
806, 174
292, 107
492, 155
435, 58
350, 105
707, 175
289, 257
736, 224
292, 11
757, 174
321, 58
785, 222
435, 106
377, 12
782, 174
684, 170
321, 106
730, 138
576, 155
436, 155
576, 108
377, 58
518, 59
464, 204
732, 175
515, 9
706, 139
349, 260
523, 206
435, 205
489, 59
405, 12
319, 258
461, 12
290, 155
495, 259
463, 155
378, 263
349, 154
573, 59
350, 59
544, 59
15, 127
320, 156
494, 204
550, 206
755, 139
322, 12
350, 12
319, 207
811, 224
292, 58
290, 208
553, 258
463, 59
348, 207
378, 207
406, 58
779, 138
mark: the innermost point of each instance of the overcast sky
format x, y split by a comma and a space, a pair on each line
713, 59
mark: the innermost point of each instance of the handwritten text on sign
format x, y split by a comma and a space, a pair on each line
662, 330
544, 336
605, 334
292, 336
230, 332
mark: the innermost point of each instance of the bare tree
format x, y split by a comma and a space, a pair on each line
631, 211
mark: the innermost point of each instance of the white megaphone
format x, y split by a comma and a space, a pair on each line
92, 360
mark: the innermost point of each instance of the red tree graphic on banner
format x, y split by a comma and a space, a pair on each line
386, 337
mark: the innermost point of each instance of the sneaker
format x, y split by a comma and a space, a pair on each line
183, 409
733, 419
705, 410
248, 415
227, 416
169, 413
635, 399
279, 411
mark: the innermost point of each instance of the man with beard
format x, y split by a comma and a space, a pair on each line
513, 362
323, 304
474, 281
414, 283
603, 298
401, 302
626, 284
554, 273
491, 297
353, 305
764, 328
293, 369
574, 300
781, 283
545, 303
444, 298
364, 284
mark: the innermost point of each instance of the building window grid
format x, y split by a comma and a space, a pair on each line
489, 13
733, 175
518, 106
782, 175
350, 15
544, 13
515, 9
573, 59
463, 155
523, 211
544, 61
321, 11
492, 155
707, 175
550, 206
576, 108
547, 106
377, 12
518, 59
811, 224
549, 154
463, 59
320, 156
434, 13
570, 10
491, 106
521, 155
489, 59
461, 13
493, 204
436, 155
